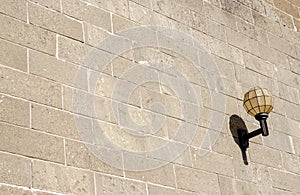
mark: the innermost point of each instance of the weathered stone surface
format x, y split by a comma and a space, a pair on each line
200, 179
31, 143
49, 67
8, 52
228, 52
30, 87
27, 35
54, 21
140, 14
79, 155
279, 141
282, 45
115, 185
259, 65
61, 178
219, 15
265, 155
59, 122
291, 162
88, 13
216, 30
287, 7
14, 111
14, 190
269, 54
238, 9
223, 163
14, 170
94, 35
52, 4
285, 180
236, 39
119, 7
162, 175
15, 8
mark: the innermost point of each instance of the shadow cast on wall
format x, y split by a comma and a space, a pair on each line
236, 123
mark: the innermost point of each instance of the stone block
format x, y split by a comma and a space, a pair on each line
31, 143
266, 23
226, 184
198, 21
27, 35
61, 179
244, 43
30, 87
54, 21
8, 53
155, 190
287, 7
85, 55
232, 148
249, 78
259, 65
288, 93
292, 111
227, 52
51, 68
216, 30
297, 24
108, 184
219, 15
71, 50
163, 175
279, 141
94, 35
14, 170
79, 155
238, 9
14, 111
242, 171
288, 77
212, 162
172, 10
286, 20
265, 155
284, 125
296, 142
119, 7
140, 14
88, 13
280, 60
52, 4
200, 179
291, 162
121, 24
59, 122
295, 65
282, 45
285, 180
145, 3
6, 189
242, 187
15, 8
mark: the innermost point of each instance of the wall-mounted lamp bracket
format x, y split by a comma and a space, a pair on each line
244, 136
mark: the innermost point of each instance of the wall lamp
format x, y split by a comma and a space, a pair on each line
258, 102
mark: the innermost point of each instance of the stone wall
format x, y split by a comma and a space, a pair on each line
67, 128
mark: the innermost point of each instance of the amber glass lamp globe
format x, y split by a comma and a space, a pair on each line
257, 101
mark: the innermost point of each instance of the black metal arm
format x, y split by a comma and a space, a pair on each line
244, 136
